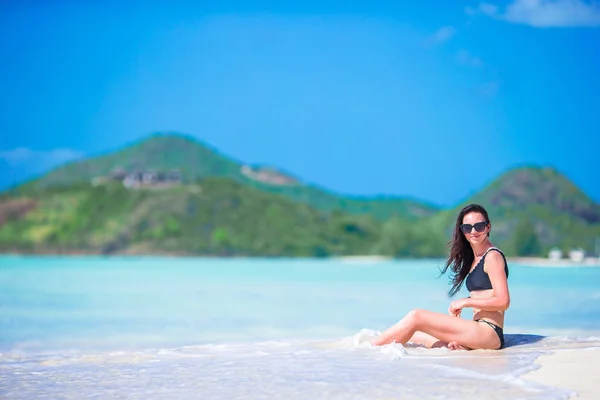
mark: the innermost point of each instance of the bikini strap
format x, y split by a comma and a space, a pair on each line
491, 248
503, 256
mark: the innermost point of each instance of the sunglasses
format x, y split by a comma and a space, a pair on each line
479, 227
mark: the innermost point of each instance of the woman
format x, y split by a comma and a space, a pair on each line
475, 260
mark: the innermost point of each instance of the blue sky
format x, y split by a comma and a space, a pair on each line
424, 99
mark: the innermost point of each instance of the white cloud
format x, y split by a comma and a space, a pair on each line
489, 89
465, 58
545, 13
442, 35
17, 155
488, 9
24, 156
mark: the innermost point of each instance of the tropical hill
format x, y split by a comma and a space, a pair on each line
533, 209
171, 194
197, 160
214, 216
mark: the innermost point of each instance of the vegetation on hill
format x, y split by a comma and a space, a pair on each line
215, 216
532, 209
535, 188
196, 160
218, 208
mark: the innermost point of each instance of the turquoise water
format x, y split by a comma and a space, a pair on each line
82, 327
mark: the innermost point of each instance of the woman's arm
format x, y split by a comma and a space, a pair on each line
494, 266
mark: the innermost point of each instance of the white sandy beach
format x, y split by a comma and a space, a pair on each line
574, 370
528, 261
547, 262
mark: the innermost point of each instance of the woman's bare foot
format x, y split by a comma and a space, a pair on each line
456, 346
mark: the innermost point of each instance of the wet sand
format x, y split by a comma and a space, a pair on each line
574, 370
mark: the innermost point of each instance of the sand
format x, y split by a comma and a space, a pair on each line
573, 370
546, 262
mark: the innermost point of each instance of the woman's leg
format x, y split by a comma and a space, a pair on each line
431, 342
426, 340
444, 327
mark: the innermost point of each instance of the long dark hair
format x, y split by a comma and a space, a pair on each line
461, 254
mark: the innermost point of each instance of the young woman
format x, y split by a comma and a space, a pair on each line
475, 260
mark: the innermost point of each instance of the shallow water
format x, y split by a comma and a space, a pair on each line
205, 328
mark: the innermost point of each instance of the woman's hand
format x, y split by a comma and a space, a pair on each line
456, 307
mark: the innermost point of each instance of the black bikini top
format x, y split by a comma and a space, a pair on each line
478, 279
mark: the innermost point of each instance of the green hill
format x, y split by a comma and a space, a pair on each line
216, 205
532, 209
196, 160
215, 216
534, 188
538, 208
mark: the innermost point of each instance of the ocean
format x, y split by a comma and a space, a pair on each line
200, 328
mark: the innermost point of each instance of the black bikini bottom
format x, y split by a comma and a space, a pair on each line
498, 331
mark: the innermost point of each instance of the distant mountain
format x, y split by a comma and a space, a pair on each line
541, 208
172, 194
536, 207
535, 187
194, 160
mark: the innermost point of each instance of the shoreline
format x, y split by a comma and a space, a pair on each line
574, 370
367, 259
546, 262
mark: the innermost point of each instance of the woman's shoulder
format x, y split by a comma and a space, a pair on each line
497, 257
495, 250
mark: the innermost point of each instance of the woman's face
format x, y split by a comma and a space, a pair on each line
470, 225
